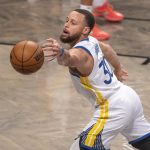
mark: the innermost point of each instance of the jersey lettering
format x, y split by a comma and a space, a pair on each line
107, 72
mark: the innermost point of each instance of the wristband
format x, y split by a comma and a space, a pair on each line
62, 52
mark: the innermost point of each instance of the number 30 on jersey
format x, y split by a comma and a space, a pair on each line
107, 71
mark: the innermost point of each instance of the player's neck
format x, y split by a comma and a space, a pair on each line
78, 40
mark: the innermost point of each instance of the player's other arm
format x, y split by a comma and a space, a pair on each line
113, 59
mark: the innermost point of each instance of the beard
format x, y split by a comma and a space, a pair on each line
69, 39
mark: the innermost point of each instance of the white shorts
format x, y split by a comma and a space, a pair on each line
121, 113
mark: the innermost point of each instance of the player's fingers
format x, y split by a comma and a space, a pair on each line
50, 54
52, 58
56, 50
126, 73
56, 46
54, 41
50, 40
47, 59
123, 78
50, 48
47, 44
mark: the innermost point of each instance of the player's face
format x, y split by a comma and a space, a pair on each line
73, 27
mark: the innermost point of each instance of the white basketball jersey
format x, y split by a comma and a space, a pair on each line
101, 83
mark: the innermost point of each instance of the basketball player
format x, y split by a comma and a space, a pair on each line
101, 8
117, 107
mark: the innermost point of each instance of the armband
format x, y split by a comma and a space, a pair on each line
62, 51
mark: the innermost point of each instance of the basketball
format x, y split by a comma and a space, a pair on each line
26, 57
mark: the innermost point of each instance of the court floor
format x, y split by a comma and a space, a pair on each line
42, 111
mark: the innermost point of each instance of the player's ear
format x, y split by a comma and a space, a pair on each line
86, 30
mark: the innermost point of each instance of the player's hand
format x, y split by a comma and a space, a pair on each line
121, 74
51, 49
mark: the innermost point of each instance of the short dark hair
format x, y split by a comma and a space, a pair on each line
89, 18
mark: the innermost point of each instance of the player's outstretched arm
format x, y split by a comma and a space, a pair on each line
113, 59
64, 57
73, 57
